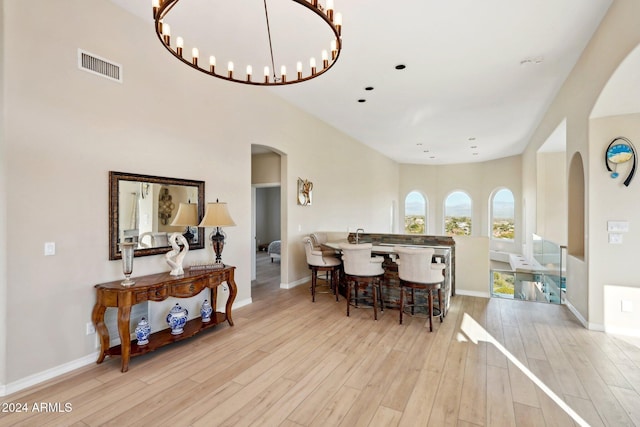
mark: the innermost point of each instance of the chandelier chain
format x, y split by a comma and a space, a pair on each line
266, 15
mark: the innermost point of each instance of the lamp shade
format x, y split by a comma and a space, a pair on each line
217, 215
187, 215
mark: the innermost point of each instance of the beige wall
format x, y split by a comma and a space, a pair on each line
551, 196
65, 129
478, 180
265, 169
610, 200
3, 217
472, 266
617, 35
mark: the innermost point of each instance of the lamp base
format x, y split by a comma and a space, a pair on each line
217, 241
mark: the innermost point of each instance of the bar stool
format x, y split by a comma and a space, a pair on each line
361, 270
317, 262
418, 273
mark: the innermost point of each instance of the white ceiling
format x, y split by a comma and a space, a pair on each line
478, 78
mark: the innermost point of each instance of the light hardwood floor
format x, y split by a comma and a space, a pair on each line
290, 362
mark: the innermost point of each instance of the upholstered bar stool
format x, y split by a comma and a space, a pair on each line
417, 273
362, 271
317, 262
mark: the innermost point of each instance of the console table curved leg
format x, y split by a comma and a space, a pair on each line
233, 290
124, 314
97, 317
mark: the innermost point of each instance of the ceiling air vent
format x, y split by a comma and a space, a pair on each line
99, 66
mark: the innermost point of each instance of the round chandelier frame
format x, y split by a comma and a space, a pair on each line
329, 57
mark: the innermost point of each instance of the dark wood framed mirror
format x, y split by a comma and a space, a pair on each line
142, 207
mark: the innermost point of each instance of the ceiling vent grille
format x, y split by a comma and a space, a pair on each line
99, 66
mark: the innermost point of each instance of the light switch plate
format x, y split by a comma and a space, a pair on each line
617, 226
626, 306
49, 248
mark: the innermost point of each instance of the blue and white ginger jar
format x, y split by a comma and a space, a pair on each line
205, 311
177, 318
143, 330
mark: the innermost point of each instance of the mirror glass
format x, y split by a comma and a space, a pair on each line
142, 207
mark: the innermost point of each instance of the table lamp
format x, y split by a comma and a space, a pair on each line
217, 215
187, 216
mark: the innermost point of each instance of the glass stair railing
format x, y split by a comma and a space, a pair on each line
543, 282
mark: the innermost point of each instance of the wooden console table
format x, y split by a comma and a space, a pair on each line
157, 287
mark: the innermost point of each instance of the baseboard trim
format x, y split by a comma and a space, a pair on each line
473, 293
586, 324
623, 331
40, 377
242, 303
296, 283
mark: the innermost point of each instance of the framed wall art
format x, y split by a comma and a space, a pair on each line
305, 188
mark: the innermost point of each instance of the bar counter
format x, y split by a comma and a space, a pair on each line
383, 245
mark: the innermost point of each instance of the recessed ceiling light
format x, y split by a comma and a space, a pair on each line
475, 154
400, 67
425, 151
362, 100
419, 143
474, 146
432, 157
473, 138
368, 88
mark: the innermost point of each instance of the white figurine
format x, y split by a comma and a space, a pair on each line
176, 263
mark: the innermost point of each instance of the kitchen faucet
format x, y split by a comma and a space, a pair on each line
358, 234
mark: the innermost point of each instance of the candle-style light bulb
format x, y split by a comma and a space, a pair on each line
179, 45
249, 72
230, 69
166, 33
195, 53
299, 69
334, 49
325, 59
329, 7
283, 73
338, 22
212, 64
155, 4
312, 63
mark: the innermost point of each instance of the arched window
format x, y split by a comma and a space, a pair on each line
457, 214
503, 215
415, 213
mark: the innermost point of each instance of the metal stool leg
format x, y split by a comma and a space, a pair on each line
430, 297
402, 291
314, 278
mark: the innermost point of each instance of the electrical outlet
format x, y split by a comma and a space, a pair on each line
626, 306
90, 328
615, 238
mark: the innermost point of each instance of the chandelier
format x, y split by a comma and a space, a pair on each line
328, 57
